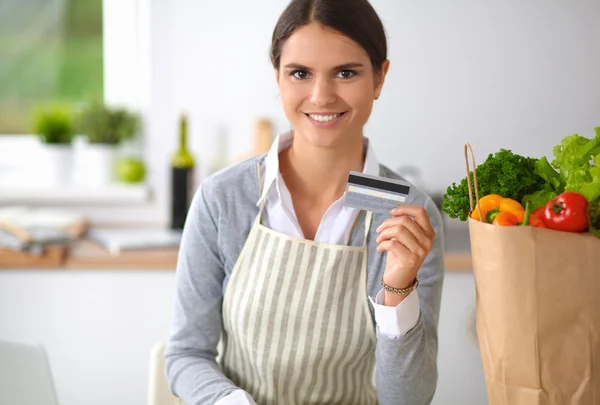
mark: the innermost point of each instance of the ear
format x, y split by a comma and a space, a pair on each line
380, 78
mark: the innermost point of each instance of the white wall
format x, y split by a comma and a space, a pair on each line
512, 74
99, 327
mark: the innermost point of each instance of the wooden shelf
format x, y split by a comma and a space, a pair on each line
87, 255
51, 257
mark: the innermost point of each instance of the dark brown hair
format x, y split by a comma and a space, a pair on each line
355, 19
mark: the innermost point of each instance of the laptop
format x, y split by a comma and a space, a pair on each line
25, 375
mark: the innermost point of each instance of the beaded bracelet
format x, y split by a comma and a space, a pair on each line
401, 291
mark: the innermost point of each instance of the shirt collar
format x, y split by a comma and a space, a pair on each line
284, 141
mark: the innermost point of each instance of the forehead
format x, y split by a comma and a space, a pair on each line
318, 47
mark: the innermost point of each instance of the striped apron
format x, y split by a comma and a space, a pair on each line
296, 320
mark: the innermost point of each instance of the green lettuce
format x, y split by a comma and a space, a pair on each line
539, 198
577, 160
544, 169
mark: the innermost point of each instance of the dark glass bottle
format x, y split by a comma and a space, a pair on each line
182, 178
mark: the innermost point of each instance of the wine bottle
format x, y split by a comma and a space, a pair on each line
182, 178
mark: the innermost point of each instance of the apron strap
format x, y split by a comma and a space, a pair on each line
260, 186
368, 219
263, 200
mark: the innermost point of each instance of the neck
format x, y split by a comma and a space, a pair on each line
320, 174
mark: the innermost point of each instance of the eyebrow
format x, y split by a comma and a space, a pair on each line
350, 65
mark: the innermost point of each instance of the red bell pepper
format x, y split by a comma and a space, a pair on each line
537, 218
567, 212
534, 219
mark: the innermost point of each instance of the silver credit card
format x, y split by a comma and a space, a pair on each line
374, 193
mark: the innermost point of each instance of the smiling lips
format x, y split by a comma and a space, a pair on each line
324, 120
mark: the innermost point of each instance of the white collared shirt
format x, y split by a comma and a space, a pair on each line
334, 228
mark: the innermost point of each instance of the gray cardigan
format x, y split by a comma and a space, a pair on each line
219, 220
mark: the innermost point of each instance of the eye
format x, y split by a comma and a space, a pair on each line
346, 74
300, 74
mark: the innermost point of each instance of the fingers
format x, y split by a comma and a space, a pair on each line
390, 228
419, 214
404, 258
396, 248
405, 222
407, 232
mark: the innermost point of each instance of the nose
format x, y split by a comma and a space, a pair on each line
323, 92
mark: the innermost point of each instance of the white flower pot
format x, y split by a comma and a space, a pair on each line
95, 165
59, 163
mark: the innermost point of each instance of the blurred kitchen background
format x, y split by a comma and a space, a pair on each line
96, 94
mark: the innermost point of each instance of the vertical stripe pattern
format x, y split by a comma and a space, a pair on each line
297, 326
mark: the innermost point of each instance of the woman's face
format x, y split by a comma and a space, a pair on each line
327, 85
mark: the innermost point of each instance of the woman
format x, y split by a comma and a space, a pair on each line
277, 267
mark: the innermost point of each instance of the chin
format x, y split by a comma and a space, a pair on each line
323, 138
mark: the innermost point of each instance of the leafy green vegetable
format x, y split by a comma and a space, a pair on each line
504, 173
555, 184
548, 173
585, 181
567, 153
594, 217
539, 198
576, 167
578, 161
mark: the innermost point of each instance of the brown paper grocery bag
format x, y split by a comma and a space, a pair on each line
538, 313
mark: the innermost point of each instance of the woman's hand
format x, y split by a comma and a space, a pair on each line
408, 238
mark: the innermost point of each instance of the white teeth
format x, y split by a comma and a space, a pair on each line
324, 118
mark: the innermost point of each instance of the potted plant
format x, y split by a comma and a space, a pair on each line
104, 128
54, 127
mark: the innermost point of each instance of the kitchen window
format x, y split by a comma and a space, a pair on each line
70, 52
52, 51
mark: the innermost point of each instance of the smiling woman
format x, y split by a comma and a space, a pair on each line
313, 300
52, 52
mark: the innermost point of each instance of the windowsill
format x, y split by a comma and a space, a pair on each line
57, 195
24, 181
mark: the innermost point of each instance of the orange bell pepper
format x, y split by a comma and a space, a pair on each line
505, 219
487, 203
509, 205
492, 205
520, 216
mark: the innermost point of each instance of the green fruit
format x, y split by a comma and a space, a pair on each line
131, 170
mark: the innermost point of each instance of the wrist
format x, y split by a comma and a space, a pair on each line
399, 283
395, 295
392, 300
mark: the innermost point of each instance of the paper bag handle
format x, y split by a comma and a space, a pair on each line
469, 151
